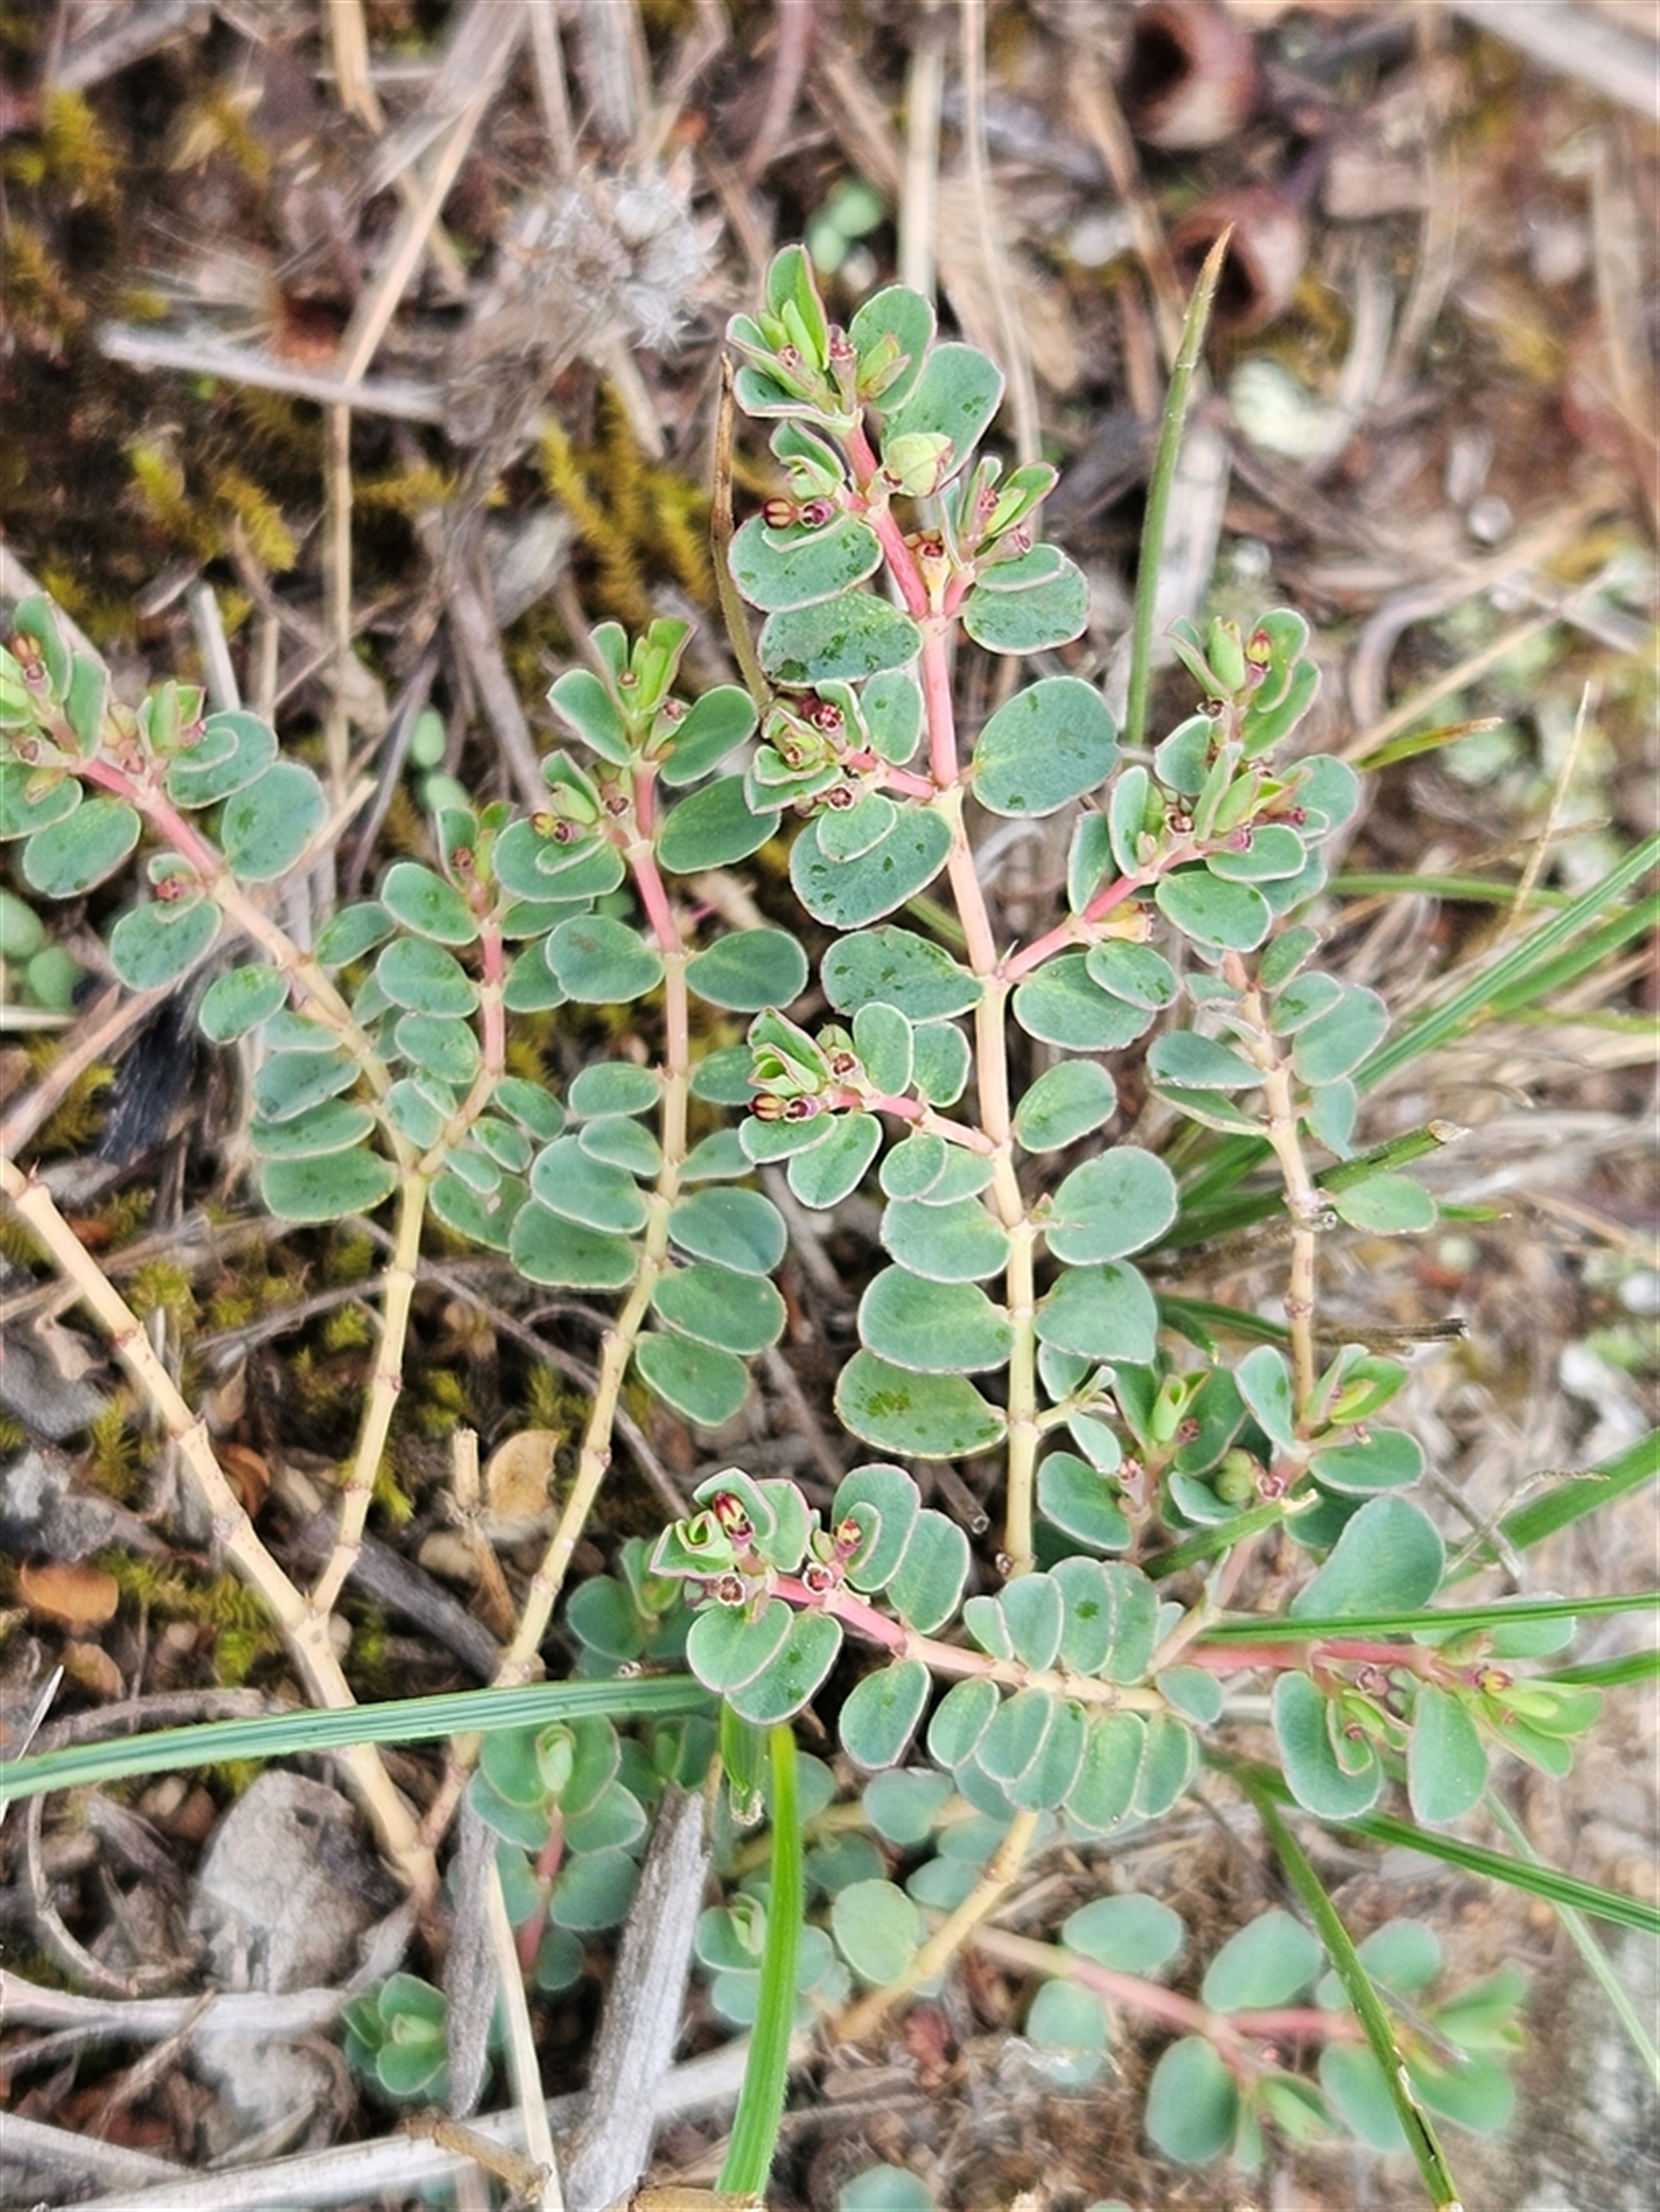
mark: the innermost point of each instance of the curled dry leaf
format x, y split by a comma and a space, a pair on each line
516, 1478
69, 1591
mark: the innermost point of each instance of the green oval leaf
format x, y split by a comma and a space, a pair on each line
933, 1328
81, 848
325, 1187
826, 1173
1446, 1761
336, 1126
852, 637
711, 727
155, 944
438, 1047
956, 1243
586, 707
712, 829
956, 395
879, 1718
1230, 916
1102, 1797
32, 798
924, 1416
1063, 1005
1388, 1205
1302, 1727
1130, 1933
1049, 742
794, 567
706, 1384
424, 977
737, 1229
546, 1247
1389, 1459
1389, 1559
235, 750
599, 962
961, 1718
613, 1087
1336, 1042
239, 1001
749, 970
733, 1313
1101, 1312
1078, 1498
781, 1689
877, 1930
1192, 2103
1272, 1960
894, 967
890, 335
1066, 1103
1196, 1063
266, 825
848, 894
1035, 620
592, 1193
1115, 1204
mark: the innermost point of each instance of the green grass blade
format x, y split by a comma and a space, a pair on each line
1537, 1879
1519, 971
1596, 1961
1470, 891
1283, 1628
1611, 1673
1580, 1495
1415, 2124
403, 1720
766, 2074
1159, 487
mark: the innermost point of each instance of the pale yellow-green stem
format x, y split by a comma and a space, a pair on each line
1304, 1201
942, 1947
617, 1347
305, 1629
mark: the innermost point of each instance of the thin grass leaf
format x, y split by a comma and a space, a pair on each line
1470, 891
1583, 1493
1159, 487
766, 2074
1536, 1879
1204, 1543
1517, 974
1299, 1628
402, 1720
1415, 2124
1612, 1674
1597, 1963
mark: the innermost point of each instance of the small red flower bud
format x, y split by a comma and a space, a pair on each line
817, 512
817, 1579
848, 1536
767, 1108
1239, 841
800, 1109
825, 715
840, 347
840, 796
843, 1063
779, 513
1180, 823
788, 356
1258, 649
729, 1590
